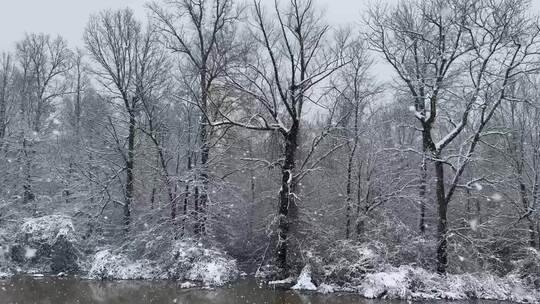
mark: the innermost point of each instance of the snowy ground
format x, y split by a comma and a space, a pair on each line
184, 261
408, 282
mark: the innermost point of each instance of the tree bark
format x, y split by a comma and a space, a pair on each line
130, 163
287, 212
442, 228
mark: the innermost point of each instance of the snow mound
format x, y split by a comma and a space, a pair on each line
213, 272
407, 282
4, 275
346, 262
184, 261
527, 267
46, 244
326, 288
109, 266
47, 229
189, 260
304, 280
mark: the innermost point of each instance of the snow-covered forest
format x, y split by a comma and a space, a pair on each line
397, 156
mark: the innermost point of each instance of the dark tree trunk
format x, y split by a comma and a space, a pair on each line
442, 227
130, 163
423, 182
186, 197
205, 146
287, 206
203, 203
28, 195
350, 164
197, 226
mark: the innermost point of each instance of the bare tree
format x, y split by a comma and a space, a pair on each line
43, 62
355, 87
280, 79
202, 32
434, 45
113, 39
7, 94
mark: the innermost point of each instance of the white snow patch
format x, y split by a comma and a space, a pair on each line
304, 280
185, 261
47, 229
187, 284
108, 266
215, 273
407, 282
30, 252
496, 197
474, 224
326, 288
288, 280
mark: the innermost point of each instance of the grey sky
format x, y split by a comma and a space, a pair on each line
68, 17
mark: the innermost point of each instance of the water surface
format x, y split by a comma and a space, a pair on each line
28, 290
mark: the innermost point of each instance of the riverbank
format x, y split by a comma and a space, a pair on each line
63, 290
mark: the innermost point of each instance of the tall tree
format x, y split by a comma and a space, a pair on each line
114, 38
280, 77
43, 62
433, 45
202, 32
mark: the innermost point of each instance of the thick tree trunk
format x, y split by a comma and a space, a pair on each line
28, 195
350, 164
186, 198
287, 211
130, 163
442, 228
196, 211
203, 204
423, 182
205, 152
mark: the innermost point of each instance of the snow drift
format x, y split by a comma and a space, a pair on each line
407, 282
185, 260
46, 244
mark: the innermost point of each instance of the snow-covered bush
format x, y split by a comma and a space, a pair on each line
184, 260
45, 244
47, 229
188, 260
527, 268
108, 266
347, 262
407, 282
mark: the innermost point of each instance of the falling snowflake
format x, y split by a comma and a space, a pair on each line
474, 224
30, 252
496, 197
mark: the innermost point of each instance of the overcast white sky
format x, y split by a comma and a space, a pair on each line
68, 17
